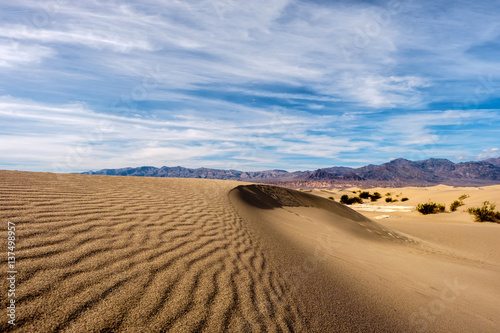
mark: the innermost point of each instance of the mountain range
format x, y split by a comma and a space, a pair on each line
399, 172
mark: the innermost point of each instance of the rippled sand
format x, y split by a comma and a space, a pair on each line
124, 254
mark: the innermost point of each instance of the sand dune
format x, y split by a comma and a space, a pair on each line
354, 274
122, 254
137, 254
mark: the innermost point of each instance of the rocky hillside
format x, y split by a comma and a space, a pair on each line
399, 171
181, 172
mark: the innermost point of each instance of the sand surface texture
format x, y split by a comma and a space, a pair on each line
122, 254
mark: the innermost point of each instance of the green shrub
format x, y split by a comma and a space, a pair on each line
485, 213
463, 197
457, 203
404, 199
430, 208
365, 195
388, 199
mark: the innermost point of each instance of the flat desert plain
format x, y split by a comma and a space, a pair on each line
125, 254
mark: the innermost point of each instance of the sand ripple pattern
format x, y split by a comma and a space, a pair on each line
116, 254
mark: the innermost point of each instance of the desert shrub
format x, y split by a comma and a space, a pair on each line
457, 203
345, 199
388, 194
485, 213
430, 208
388, 199
331, 198
354, 200
404, 199
463, 197
375, 196
365, 195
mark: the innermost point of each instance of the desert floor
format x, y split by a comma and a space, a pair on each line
126, 254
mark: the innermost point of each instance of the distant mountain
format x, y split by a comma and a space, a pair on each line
399, 171
431, 171
494, 161
181, 172
333, 174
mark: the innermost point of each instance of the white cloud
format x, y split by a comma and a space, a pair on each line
203, 42
386, 92
420, 128
489, 153
14, 54
343, 50
89, 140
73, 137
76, 35
343, 60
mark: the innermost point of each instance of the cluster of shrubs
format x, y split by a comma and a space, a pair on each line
390, 199
430, 208
482, 214
485, 213
367, 195
347, 200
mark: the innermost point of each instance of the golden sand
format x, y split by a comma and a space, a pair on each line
124, 254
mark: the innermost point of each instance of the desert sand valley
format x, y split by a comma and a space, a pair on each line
131, 254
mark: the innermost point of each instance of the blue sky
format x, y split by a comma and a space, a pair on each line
288, 84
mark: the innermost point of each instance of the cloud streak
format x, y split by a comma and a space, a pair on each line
85, 139
267, 84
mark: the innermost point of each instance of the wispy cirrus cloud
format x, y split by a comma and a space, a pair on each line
91, 139
73, 137
264, 84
